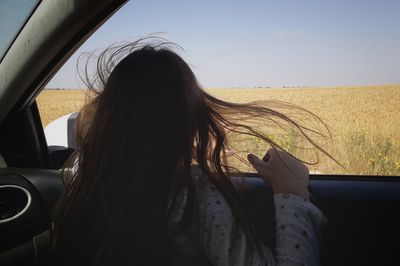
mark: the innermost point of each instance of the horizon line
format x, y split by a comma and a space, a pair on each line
270, 87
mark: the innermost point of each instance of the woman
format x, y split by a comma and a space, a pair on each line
137, 199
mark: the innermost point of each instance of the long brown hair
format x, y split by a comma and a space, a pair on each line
148, 124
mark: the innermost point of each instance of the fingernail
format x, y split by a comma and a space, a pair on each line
266, 158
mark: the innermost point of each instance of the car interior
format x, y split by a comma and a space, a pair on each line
363, 224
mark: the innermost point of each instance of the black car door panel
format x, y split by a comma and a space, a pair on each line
362, 214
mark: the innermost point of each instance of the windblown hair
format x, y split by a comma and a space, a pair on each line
147, 123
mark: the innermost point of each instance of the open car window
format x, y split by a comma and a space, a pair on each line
337, 60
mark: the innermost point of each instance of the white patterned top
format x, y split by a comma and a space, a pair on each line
214, 238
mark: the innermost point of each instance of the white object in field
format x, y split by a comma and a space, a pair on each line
61, 132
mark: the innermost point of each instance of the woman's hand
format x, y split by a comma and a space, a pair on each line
283, 172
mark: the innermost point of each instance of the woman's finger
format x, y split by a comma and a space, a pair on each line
266, 157
254, 160
259, 165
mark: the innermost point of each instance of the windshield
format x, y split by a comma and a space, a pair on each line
13, 15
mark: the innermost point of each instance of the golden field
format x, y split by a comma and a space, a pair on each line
364, 123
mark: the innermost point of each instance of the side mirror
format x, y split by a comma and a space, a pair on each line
61, 132
60, 137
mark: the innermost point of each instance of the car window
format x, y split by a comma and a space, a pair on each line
13, 15
339, 60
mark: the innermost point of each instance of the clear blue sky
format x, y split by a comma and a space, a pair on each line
265, 43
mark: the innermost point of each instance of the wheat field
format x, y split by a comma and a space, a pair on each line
364, 123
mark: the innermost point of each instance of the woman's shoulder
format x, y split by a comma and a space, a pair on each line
208, 201
203, 185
